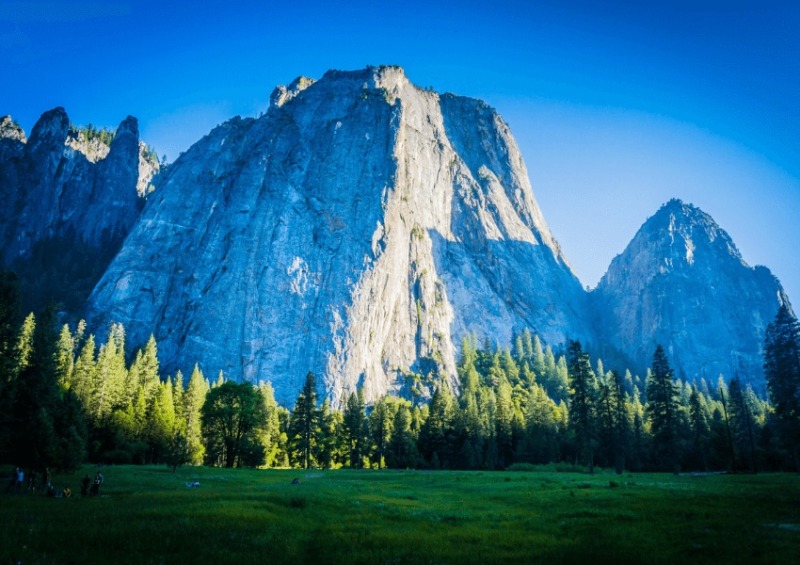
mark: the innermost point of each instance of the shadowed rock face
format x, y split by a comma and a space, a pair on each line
62, 193
358, 229
681, 282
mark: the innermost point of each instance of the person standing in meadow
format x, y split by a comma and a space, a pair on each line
85, 482
20, 480
46, 479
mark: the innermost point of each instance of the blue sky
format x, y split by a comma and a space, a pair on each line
617, 105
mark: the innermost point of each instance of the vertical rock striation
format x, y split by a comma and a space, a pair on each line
66, 193
358, 229
682, 282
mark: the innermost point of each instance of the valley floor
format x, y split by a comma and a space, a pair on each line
212, 515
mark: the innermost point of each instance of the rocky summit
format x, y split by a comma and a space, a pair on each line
71, 195
682, 282
359, 229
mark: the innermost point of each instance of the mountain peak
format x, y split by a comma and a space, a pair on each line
9, 129
345, 233
682, 282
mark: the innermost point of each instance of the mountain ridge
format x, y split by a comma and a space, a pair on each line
363, 226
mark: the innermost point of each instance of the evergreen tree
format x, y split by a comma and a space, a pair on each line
380, 428
193, 400
330, 446
304, 423
24, 345
742, 425
110, 374
437, 430
72, 434
9, 311
613, 418
354, 427
178, 391
149, 376
698, 421
34, 434
402, 452
581, 408
662, 408
65, 357
162, 422
504, 424
540, 443
782, 369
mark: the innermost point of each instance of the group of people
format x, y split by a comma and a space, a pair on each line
18, 484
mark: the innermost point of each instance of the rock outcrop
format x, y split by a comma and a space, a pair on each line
359, 229
682, 282
67, 193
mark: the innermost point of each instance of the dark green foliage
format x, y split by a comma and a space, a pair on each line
435, 437
63, 270
230, 414
782, 369
91, 133
355, 428
662, 409
9, 313
65, 400
582, 404
304, 423
402, 451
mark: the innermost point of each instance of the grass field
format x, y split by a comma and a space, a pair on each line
149, 515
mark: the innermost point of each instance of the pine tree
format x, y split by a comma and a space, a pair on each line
437, 430
178, 391
328, 452
354, 427
35, 437
698, 422
109, 375
582, 400
504, 424
193, 400
304, 422
402, 453
380, 428
162, 421
540, 443
782, 369
149, 375
270, 430
65, 357
613, 417
742, 425
662, 409
9, 312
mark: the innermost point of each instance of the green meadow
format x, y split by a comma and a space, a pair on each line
149, 515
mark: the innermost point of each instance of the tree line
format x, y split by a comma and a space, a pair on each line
65, 399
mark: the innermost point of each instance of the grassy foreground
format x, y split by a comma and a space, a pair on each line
149, 515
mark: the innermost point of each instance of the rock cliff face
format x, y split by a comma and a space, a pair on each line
681, 282
66, 193
359, 229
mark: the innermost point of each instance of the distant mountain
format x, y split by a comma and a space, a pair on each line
359, 229
70, 197
682, 282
